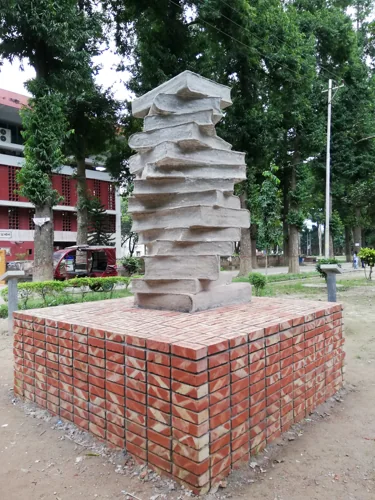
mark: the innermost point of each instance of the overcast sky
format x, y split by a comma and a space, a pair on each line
13, 78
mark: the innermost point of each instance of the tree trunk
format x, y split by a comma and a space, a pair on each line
253, 239
245, 253
293, 230
82, 195
82, 215
285, 224
348, 253
266, 262
245, 246
320, 239
43, 244
293, 250
357, 232
331, 249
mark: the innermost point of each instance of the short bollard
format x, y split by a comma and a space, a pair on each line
331, 270
11, 278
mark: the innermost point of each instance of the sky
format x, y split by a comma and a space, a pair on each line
12, 77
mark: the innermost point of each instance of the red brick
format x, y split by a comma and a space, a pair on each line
187, 378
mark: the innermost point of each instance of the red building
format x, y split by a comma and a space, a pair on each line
16, 212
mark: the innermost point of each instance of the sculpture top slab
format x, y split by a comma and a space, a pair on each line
183, 206
186, 84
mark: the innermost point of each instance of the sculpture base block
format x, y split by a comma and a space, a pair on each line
191, 395
218, 296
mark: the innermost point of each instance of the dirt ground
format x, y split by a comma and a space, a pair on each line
329, 456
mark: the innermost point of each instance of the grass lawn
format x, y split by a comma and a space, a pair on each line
298, 288
66, 298
274, 278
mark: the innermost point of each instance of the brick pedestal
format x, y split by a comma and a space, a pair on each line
192, 395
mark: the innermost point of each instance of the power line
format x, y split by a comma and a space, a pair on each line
278, 38
239, 41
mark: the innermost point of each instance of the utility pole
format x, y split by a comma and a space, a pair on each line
328, 167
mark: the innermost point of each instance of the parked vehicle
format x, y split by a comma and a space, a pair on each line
100, 262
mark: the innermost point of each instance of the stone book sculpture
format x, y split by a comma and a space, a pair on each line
183, 206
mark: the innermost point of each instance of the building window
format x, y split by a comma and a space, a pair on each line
111, 223
66, 221
111, 197
13, 218
66, 189
12, 184
31, 220
96, 192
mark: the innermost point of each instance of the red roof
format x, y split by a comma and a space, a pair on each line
12, 99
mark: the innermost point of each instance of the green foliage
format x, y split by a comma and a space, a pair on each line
320, 262
367, 255
53, 292
132, 265
296, 218
45, 130
3, 311
128, 236
258, 281
99, 232
269, 210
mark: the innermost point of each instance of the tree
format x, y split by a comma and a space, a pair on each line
98, 231
45, 128
128, 237
277, 57
93, 115
92, 111
269, 210
45, 33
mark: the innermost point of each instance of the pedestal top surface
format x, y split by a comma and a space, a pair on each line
197, 333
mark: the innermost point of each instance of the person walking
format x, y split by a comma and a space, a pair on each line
355, 260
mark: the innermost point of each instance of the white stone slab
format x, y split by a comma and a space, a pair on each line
172, 104
169, 154
188, 266
166, 286
186, 84
145, 188
225, 295
181, 234
190, 217
141, 204
185, 286
187, 136
237, 173
205, 119
223, 248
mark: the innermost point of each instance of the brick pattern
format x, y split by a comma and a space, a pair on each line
191, 395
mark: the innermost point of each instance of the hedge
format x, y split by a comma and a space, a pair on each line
43, 289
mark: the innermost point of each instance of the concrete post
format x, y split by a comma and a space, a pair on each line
331, 286
330, 271
11, 278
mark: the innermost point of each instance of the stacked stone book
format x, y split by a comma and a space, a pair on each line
183, 206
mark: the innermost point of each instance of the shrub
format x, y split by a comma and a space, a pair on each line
367, 255
258, 281
51, 291
132, 265
331, 260
3, 311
